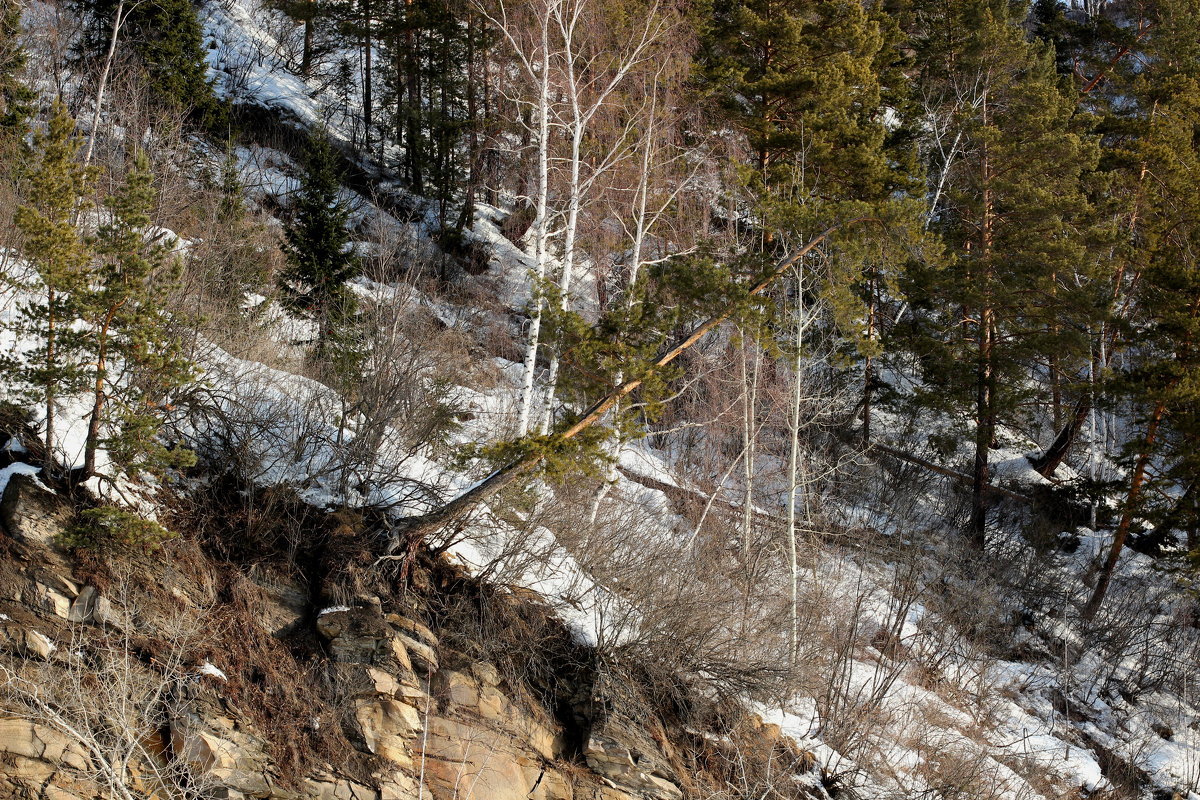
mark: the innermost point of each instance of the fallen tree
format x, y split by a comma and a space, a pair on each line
407, 534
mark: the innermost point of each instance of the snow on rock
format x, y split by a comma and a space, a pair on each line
208, 669
18, 468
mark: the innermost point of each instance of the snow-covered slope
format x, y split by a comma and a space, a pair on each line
927, 674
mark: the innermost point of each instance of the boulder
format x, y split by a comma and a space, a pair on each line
485, 673
84, 606
629, 767
413, 629
457, 689
215, 749
38, 644
387, 727
22, 737
423, 657
30, 511
53, 600
360, 636
282, 605
330, 787
472, 762
24, 777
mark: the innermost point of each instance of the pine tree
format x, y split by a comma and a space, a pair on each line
315, 242
58, 191
1105, 54
136, 360
802, 79
1011, 209
1161, 158
799, 78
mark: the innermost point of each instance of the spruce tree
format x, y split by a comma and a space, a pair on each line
136, 360
58, 188
313, 286
428, 78
16, 98
166, 37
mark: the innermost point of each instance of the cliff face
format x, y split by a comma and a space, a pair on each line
180, 674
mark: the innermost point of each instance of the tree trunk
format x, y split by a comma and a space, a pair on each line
466, 216
575, 191
869, 369
414, 152
985, 421
306, 56
368, 99
1131, 500
749, 374
540, 234
118, 20
793, 475
412, 531
1056, 453
99, 396
51, 362
443, 155
984, 431
491, 161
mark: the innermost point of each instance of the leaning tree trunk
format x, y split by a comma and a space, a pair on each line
412, 531
1131, 500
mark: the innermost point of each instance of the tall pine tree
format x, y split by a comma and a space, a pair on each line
58, 190
1010, 206
802, 80
1159, 292
136, 361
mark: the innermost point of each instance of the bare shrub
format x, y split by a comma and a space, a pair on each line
113, 703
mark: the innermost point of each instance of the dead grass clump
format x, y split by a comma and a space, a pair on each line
329, 551
738, 756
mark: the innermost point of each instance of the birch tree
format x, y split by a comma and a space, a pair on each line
592, 68
532, 55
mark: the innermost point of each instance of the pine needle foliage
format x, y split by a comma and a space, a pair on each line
137, 360
59, 188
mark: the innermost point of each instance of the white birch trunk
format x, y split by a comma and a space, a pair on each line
640, 231
540, 229
749, 442
118, 20
582, 112
794, 484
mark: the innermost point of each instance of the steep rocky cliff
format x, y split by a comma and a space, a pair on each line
218, 668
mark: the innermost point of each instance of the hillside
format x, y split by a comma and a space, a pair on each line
637, 402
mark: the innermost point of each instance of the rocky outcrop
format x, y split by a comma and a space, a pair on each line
630, 767
403, 715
